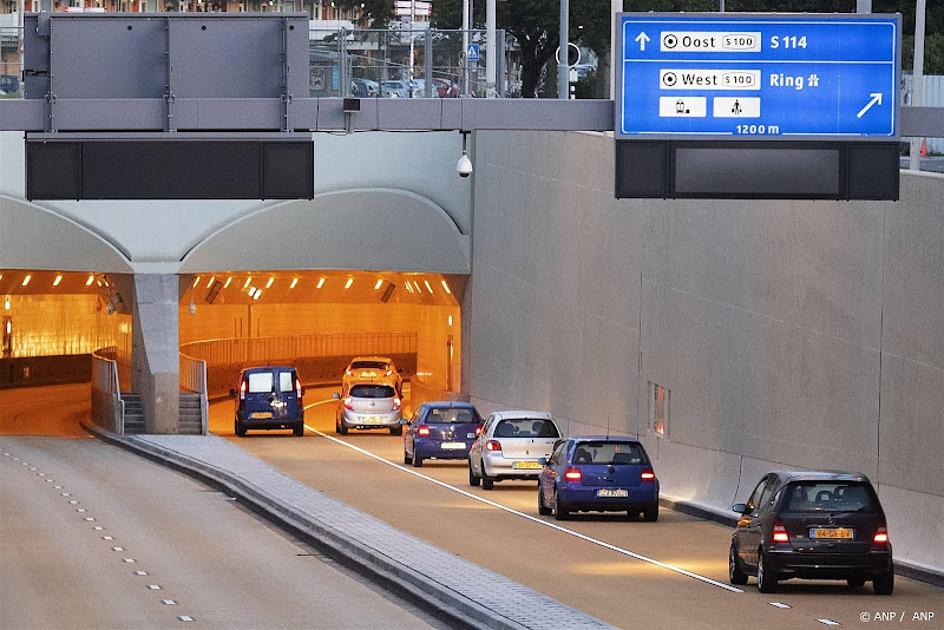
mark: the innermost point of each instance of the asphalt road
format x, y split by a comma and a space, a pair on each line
79, 519
670, 574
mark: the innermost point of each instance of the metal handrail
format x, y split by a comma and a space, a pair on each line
105, 380
193, 378
241, 350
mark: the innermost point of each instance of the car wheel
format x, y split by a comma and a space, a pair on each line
474, 480
856, 582
238, 429
396, 430
735, 574
417, 460
766, 579
299, 430
884, 584
341, 429
651, 513
561, 513
543, 510
487, 482
406, 457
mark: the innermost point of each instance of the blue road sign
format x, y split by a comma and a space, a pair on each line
753, 76
473, 53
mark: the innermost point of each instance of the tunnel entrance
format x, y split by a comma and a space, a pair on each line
51, 325
318, 321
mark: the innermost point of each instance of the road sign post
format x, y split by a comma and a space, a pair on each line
772, 78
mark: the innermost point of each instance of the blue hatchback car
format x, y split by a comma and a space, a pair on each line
598, 474
441, 430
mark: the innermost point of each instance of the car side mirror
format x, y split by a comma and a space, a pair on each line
232, 393
542, 461
336, 396
740, 508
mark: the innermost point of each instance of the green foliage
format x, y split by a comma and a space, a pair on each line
376, 13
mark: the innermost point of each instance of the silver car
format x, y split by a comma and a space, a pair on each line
369, 406
510, 445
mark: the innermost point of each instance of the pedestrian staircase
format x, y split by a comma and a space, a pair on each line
191, 414
134, 413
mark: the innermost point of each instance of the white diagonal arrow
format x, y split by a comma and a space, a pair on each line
876, 100
642, 38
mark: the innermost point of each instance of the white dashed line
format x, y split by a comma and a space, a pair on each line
184, 618
117, 548
533, 519
829, 622
130, 560
141, 573
168, 602
154, 587
780, 605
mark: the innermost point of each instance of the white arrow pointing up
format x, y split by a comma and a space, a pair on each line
876, 100
642, 38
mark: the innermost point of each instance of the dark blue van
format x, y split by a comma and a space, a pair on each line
269, 398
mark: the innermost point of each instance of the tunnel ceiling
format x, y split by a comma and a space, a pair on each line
335, 287
27, 282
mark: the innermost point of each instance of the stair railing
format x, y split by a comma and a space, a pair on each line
193, 378
106, 388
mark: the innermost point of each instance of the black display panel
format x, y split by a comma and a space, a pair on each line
172, 169
756, 170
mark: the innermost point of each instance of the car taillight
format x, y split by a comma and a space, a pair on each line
348, 404
298, 387
573, 474
478, 431
242, 390
881, 536
493, 445
779, 534
648, 475
348, 373
423, 431
389, 372
396, 404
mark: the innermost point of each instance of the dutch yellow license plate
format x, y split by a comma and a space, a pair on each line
840, 533
526, 465
262, 415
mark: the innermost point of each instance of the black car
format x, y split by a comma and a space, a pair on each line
812, 525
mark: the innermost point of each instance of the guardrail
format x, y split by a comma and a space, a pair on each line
193, 378
108, 409
261, 349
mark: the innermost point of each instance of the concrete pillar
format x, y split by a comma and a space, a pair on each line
155, 347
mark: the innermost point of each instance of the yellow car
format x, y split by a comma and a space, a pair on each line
372, 369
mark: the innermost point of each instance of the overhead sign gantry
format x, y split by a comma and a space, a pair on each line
731, 78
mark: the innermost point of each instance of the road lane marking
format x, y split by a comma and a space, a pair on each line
829, 622
140, 573
534, 519
185, 618
780, 605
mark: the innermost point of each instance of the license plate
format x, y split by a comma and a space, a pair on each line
262, 415
470, 436
372, 420
526, 465
453, 446
841, 533
621, 493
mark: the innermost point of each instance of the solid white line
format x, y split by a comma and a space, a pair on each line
534, 519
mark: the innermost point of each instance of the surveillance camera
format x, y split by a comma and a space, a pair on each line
192, 309
464, 165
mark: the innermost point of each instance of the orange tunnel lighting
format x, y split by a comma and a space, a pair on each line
350, 281
26, 279
228, 282
320, 284
58, 280
247, 283
445, 286
196, 282
90, 280
294, 283
269, 283
379, 284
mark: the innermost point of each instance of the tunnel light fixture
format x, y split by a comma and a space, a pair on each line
211, 282
320, 284
408, 287
26, 279
378, 284
58, 280
294, 283
445, 286
247, 283
90, 280
428, 286
258, 294
228, 282
196, 282
7, 304
350, 281
450, 321
416, 285
269, 283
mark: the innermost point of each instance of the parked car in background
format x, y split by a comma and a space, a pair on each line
269, 398
395, 89
598, 474
368, 406
813, 525
510, 445
364, 88
441, 430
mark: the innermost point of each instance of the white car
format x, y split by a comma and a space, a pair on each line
510, 445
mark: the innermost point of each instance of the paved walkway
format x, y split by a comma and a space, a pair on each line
485, 598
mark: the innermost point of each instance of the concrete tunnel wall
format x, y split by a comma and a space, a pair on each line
790, 333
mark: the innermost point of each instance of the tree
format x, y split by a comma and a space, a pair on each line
374, 13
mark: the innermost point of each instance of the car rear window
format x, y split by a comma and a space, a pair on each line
526, 428
368, 365
452, 416
286, 381
829, 496
260, 382
372, 391
610, 453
